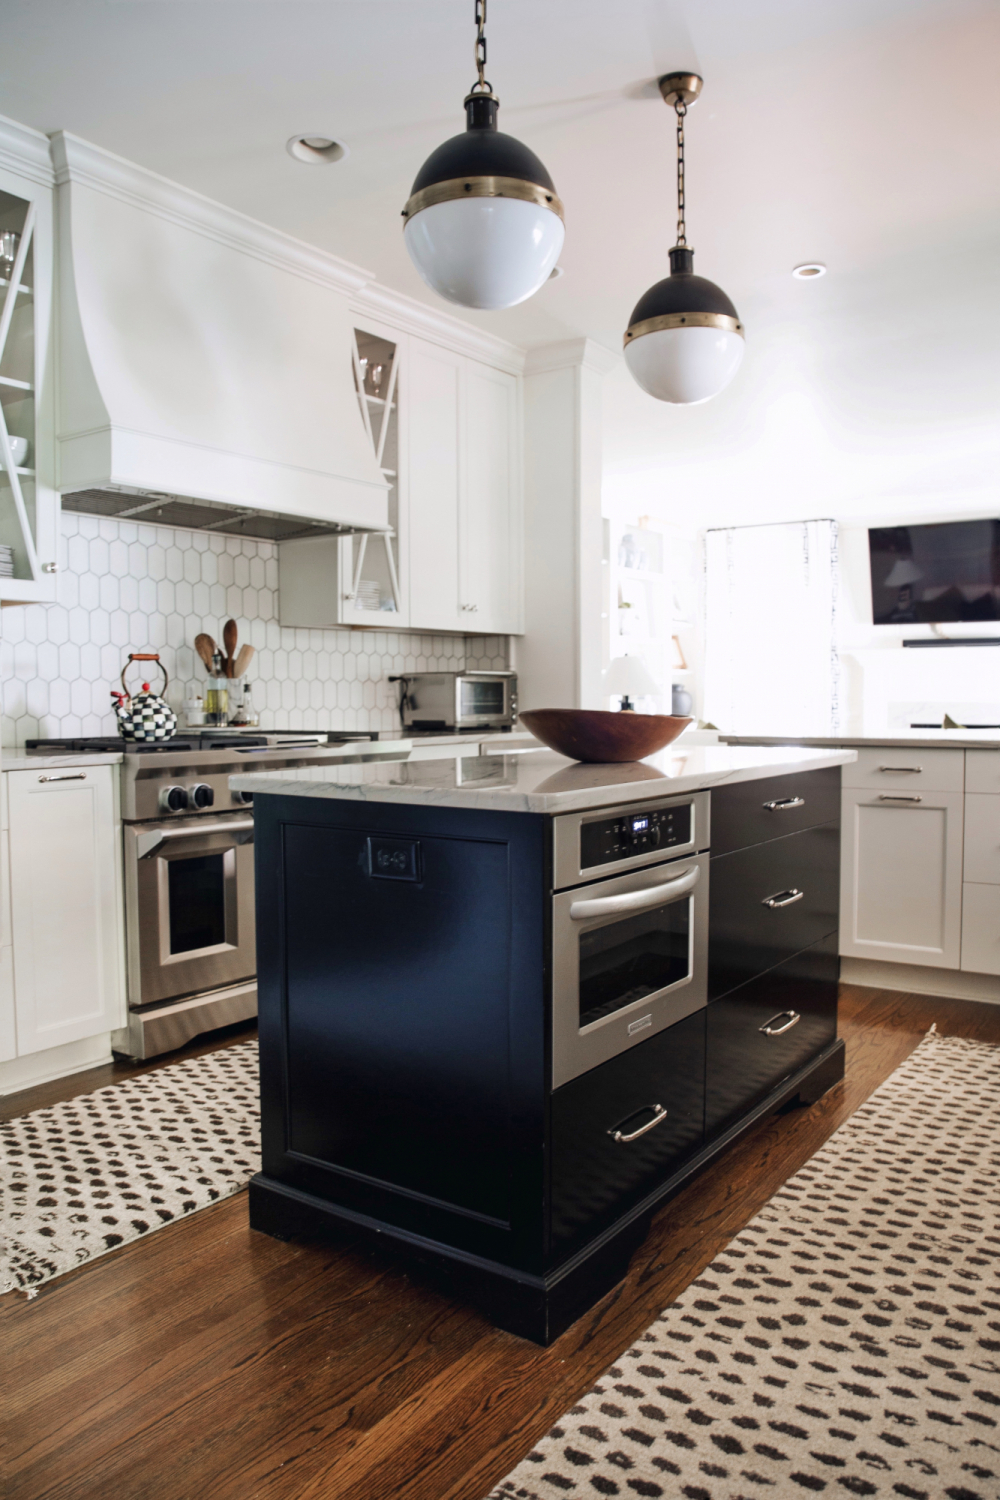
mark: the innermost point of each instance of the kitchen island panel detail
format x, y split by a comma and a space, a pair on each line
398, 1071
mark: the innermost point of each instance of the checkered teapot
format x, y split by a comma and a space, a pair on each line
144, 716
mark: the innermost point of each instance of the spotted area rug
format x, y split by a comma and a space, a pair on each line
847, 1342
83, 1177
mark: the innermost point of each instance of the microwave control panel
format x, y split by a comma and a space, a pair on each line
605, 842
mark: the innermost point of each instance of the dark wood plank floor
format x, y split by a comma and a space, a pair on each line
210, 1361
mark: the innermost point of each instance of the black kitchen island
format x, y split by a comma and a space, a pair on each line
510, 1004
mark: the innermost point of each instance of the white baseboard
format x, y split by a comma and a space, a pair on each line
918, 979
55, 1062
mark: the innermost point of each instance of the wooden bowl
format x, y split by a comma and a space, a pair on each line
588, 734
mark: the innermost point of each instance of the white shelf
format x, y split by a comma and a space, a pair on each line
22, 291
379, 401
15, 385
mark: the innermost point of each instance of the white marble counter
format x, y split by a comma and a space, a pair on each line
16, 760
919, 739
537, 781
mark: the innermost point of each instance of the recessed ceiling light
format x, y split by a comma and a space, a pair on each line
810, 269
317, 150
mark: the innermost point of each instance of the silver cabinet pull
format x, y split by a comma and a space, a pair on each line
769, 1028
783, 898
67, 776
900, 797
644, 900
783, 803
148, 843
915, 770
659, 1113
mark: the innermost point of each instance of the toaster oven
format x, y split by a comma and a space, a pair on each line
458, 700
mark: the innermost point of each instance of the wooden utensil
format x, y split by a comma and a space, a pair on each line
229, 633
205, 647
243, 660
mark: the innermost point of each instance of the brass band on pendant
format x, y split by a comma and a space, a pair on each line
482, 187
682, 320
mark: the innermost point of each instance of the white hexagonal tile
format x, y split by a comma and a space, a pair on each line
350, 668
249, 606
69, 523
201, 602
183, 597
368, 694
165, 599
328, 691
47, 661
112, 662
137, 556
175, 630
109, 591
302, 695
118, 558
90, 662
99, 556
120, 627
216, 543
100, 626
234, 601
36, 697
258, 573
59, 698
267, 604
225, 567
90, 591
209, 569
156, 562
79, 696
241, 571
77, 554
89, 526
217, 594
287, 694
138, 624
128, 593
147, 595
157, 631
343, 694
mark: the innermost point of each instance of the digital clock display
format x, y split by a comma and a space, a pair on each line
639, 825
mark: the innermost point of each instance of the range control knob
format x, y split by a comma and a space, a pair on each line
243, 797
173, 799
200, 795
654, 835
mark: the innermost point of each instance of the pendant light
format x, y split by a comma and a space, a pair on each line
684, 341
483, 224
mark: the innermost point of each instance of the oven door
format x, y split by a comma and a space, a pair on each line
629, 959
189, 905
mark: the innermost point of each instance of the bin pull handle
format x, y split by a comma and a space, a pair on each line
769, 1028
659, 1113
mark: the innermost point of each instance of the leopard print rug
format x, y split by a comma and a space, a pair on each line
847, 1342
86, 1176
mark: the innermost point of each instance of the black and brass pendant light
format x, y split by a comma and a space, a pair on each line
483, 223
684, 341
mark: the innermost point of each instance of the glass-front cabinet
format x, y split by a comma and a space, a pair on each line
372, 577
29, 504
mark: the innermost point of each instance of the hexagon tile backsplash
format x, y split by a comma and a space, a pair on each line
128, 587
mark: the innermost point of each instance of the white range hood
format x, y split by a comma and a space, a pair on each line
204, 360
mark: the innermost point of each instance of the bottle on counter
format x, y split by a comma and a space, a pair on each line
194, 711
250, 714
217, 696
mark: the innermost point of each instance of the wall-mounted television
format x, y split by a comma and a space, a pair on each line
923, 575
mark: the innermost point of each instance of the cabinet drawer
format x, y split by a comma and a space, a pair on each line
751, 812
982, 839
886, 769
981, 929
982, 771
594, 1177
744, 1064
746, 935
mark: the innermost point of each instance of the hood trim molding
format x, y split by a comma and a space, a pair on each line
79, 161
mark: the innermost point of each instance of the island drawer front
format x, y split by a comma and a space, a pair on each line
753, 812
982, 771
594, 1177
889, 769
800, 875
743, 1063
982, 839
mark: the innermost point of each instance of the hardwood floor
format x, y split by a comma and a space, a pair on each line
208, 1360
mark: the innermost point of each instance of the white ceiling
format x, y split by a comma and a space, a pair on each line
864, 133
837, 129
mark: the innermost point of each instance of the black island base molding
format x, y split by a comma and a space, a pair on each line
497, 1041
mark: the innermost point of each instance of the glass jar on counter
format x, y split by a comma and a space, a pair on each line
217, 694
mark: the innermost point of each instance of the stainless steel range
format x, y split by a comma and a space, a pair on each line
189, 875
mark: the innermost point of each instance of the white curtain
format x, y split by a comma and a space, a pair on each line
771, 664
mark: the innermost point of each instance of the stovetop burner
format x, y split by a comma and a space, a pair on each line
191, 740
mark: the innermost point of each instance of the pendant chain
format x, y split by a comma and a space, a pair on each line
482, 85
681, 109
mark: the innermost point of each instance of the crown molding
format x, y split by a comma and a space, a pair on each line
25, 151
78, 161
411, 316
569, 354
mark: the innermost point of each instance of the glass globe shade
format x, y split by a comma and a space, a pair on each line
485, 252
684, 366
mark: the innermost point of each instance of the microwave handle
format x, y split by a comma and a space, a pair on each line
148, 843
644, 900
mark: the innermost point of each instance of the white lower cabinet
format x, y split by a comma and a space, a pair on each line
66, 918
901, 877
981, 929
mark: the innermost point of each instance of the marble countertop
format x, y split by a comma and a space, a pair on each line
537, 781
16, 760
928, 739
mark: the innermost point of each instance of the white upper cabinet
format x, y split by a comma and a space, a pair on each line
490, 522
436, 377
29, 503
466, 508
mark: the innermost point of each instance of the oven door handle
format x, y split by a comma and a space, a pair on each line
148, 843
644, 900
